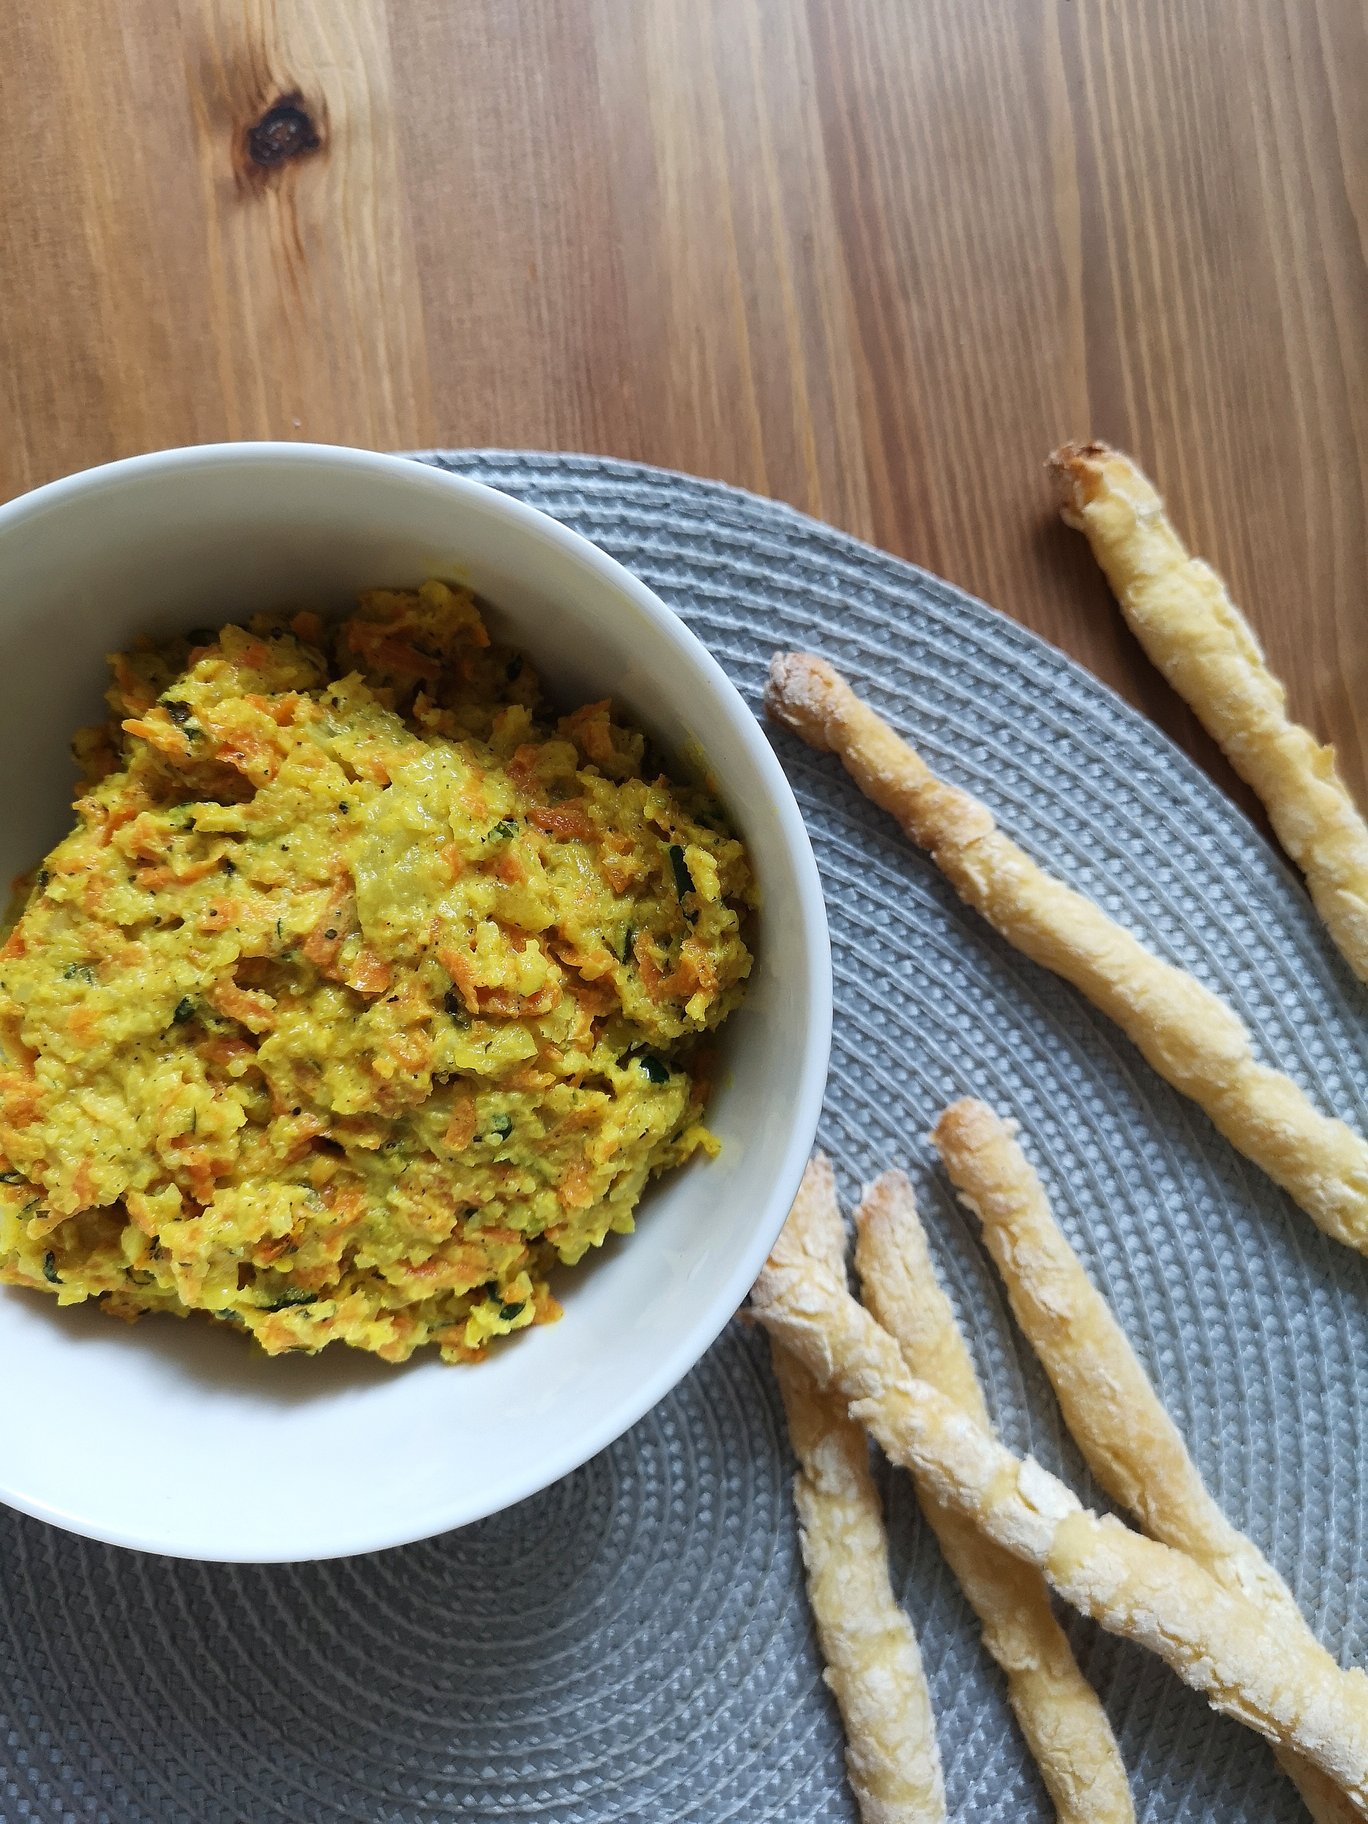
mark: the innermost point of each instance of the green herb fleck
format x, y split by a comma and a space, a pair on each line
683, 880
503, 829
500, 1127
456, 1007
293, 1299
185, 1010
43, 878
78, 972
655, 1069
179, 712
11, 1178
343, 806
50, 1273
509, 1312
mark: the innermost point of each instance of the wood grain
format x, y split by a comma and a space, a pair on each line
870, 257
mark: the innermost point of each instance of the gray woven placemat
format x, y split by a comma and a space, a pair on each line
634, 1643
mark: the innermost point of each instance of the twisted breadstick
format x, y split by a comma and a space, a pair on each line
874, 1667
1117, 1420
1179, 610
1185, 1031
1065, 1726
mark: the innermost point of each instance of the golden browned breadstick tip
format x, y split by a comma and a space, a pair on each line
873, 1664
1117, 1420
1217, 1640
1181, 613
1187, 1033
1058, 1711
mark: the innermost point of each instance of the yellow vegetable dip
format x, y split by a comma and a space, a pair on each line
362, 992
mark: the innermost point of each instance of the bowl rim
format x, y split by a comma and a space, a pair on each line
803, 1106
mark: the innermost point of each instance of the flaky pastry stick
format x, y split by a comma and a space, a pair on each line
1179, 610
1058, 1711
873, 1664
1185, 1031
1113, 1413
1218, 1641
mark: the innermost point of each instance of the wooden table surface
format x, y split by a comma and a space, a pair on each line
874, 257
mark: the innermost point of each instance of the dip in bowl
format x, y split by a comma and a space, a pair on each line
176, 1438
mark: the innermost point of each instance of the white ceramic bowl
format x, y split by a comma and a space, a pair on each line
178, 1438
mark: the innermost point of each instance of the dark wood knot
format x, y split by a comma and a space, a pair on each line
285, 130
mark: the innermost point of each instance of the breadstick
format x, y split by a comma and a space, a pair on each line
1058, 1711
1217, 1640
874, 1667
1130, 1442
1117, 1420
1179, 610
1185, 1031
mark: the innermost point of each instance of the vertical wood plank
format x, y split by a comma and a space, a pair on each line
738, 292
1231, 332
314, 302
103, 343
518, 260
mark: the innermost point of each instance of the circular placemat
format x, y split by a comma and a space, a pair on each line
634, 1643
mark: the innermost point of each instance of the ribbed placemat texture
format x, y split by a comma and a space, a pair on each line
634, 1643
